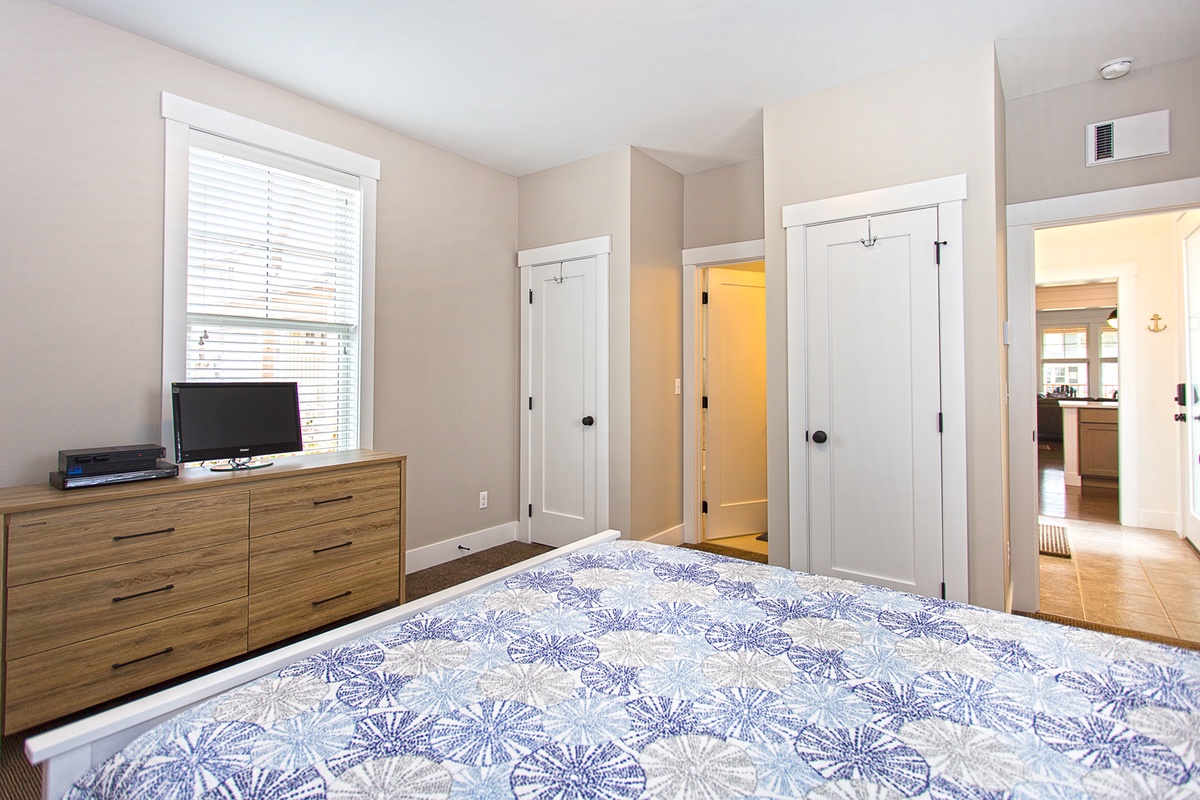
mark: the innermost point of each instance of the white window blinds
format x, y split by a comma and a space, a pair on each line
273, 280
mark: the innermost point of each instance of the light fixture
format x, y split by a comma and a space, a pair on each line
1117, 68
1112, 319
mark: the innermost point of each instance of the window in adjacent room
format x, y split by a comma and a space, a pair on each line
269, 274
1079, 353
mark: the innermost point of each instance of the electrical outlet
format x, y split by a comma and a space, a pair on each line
483, 499
678, 385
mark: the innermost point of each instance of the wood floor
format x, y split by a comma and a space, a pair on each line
1137, 578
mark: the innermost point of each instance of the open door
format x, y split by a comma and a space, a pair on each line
1188, 393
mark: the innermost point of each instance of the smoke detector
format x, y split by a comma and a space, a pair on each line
1117, 68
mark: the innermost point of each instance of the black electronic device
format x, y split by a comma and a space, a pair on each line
105, 460
162, 469
235, 421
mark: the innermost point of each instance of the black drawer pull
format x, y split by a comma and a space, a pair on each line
143, 594
333, 500
139, 535
120, 664
332, 547
335, 597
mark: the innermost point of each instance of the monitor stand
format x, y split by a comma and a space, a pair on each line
234, 465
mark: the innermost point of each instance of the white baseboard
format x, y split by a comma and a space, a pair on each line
431, 555
671, 536
1158, 520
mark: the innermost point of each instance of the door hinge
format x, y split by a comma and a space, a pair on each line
943, 590
703, 506
531, 296
937, 252
704, 401
939, 421
531, 404
704, 298
531, 510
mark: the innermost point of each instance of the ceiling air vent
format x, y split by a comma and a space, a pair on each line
1129, 137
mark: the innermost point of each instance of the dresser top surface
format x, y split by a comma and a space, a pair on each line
43, 496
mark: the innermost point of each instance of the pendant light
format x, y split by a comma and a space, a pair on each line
1112, 319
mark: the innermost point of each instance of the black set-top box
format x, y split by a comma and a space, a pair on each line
107, 460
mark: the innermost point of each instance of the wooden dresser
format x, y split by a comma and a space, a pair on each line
111, 589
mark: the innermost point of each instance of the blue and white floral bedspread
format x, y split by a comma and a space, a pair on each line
631, 670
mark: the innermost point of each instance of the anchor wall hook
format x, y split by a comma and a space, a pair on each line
1156, 328
870, 240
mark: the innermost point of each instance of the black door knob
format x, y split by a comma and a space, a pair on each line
819, 437
589, 420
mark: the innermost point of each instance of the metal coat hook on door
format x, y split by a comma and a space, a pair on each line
870, 240
559, 279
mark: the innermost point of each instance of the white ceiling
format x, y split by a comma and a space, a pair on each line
522, 85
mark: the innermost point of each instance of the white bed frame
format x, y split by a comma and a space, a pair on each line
68, 752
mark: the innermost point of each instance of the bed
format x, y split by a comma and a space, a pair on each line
616, 669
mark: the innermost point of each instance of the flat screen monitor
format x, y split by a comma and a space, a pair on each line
235, 421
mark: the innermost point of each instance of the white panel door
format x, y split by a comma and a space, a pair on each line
563, 393
873, 377
735, 422
1189, 231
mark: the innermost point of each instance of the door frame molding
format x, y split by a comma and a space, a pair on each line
947, 195
694, 259
1023, 220
599, 247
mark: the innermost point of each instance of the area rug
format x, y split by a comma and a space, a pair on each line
1052, 541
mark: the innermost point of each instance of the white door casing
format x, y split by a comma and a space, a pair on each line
874, 459
1023, 220
946, 195
564, 384
735, 437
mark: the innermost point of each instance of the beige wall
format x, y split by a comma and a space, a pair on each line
1150, 243
580, 200
656, 355
1046, 132
81, 222
884, 131
723, 205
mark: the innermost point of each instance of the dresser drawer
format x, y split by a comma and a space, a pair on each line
57, 682
298, 503
294, 555
46, 544
70, 609
300, 606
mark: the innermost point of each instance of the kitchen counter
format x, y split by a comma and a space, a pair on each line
1089, 440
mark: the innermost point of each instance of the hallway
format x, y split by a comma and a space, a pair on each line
1135, 578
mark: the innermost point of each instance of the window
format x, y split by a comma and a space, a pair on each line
1078, 356
1064, 361
268, 270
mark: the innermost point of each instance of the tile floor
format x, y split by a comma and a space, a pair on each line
1145, 580
1136, 578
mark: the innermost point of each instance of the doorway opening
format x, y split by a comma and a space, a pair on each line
1109, 472
724, 398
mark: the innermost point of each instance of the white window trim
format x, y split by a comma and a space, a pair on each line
181, 116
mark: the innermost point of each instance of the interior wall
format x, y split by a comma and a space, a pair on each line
81, 221
581, 200
879, 132
656, 354
723, 205
1046, 132
1149, 242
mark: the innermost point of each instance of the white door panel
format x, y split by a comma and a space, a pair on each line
1189, 231
873, 378
735, 432
562, 362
